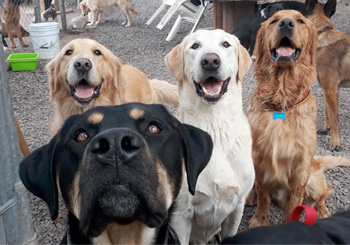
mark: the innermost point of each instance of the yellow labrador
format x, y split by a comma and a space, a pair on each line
96, 8
209, 67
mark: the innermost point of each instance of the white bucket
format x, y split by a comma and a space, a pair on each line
45, 38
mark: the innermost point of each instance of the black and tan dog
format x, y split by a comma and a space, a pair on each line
118, 170
333, 62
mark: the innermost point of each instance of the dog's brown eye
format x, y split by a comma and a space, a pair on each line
153, 129
97, 52
195, 46
69, 52
82, 136
274, 21
226, 44
301, 21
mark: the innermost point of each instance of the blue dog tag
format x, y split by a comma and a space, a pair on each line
279, 115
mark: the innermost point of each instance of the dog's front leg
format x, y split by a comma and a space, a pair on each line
93, 18
127, 16
9, 35
19, 35
230, 225
262, 211
295, 195
183, 226
99, 17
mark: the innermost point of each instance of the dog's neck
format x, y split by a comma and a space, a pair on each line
134, 233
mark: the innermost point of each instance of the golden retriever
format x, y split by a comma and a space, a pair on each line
282, 116
333, 63
11, 15
86, 74
96, 8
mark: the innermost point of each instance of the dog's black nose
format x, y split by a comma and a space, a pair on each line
82, 64
122, 144
286, 24
210, 62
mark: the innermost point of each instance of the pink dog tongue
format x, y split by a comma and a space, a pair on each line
84, 91
285, 51
212, 86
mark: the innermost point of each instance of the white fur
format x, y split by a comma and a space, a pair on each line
224, 184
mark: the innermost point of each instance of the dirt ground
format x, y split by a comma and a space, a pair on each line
145, 47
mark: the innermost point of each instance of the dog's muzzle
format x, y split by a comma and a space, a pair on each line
285, 51
211, 88
110, 184
84, 92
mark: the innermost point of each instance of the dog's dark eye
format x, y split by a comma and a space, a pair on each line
301, 21
69, 52
154, 129
82, 136
274, 21
195, 46
226, 44
97, 52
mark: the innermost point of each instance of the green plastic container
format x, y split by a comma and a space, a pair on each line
23, 62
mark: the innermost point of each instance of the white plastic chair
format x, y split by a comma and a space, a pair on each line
186, 11
166, 4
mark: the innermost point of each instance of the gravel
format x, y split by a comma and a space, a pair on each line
145, 48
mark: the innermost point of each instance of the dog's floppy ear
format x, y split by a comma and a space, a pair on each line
174, 62
37, 174
244, 62
54, 76
198, 149
329, 8
309, 7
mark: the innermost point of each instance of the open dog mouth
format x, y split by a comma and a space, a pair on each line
212, 89
83, 92
285, 51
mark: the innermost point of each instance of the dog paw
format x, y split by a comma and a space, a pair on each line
335, 147
257, 220
24, 45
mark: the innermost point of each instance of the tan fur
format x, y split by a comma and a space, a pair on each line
283, 150
136, 114
95, 118
4, 32
22, 142
134, 233
120, 83
96, 8
333, 62
11, 14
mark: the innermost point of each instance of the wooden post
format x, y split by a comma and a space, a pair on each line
227, 13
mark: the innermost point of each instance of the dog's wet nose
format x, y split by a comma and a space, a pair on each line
123, 143
286, 24
210, 62
83, 64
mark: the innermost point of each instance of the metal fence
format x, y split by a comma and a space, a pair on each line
15, 215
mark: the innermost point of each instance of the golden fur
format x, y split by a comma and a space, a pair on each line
283, 150
11, 15
333, 62
96, 8
118, 83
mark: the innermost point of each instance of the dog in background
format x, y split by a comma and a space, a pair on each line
209, 67
49, 14
247, 28
4, 31
96, 8
333, 62
85, 74
282, 116
118, 170
11, 14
